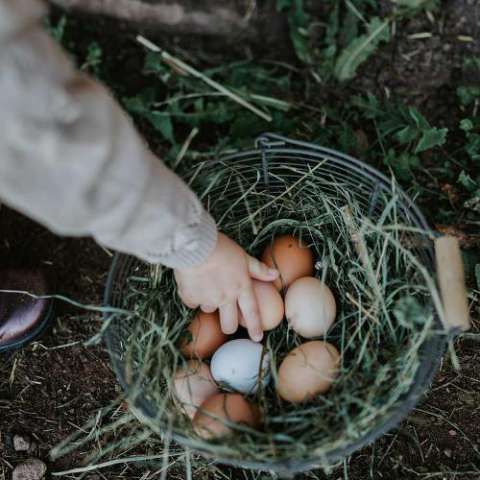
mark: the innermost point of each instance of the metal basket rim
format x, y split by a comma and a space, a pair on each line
433, 347
338, 157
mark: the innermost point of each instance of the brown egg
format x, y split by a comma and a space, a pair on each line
193, 384
206, 336
310, 307
270, 304
230, 407
291, 257
307, 371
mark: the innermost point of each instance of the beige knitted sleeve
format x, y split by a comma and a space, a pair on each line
71, 158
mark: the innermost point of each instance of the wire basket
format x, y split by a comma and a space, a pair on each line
275, 164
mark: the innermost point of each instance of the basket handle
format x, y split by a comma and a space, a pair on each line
451, 278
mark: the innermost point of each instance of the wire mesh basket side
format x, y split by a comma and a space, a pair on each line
275, 162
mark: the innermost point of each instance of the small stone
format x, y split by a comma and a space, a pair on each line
448, 453
21, 443
31, 469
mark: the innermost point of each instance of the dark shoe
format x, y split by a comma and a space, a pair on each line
22, 317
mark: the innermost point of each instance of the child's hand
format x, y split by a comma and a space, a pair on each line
224, 281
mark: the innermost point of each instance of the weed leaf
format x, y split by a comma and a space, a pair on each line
433, 137
361, 48
163, 123
466, 125
473, 146
418, 118
467, 181
406, 135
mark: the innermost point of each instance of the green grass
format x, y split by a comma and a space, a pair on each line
345, 35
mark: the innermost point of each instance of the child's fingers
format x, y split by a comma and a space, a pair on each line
260, 271
229, 318
249, 307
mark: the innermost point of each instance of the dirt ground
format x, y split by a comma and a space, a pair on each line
52, 387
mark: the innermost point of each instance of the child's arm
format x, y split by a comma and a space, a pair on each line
71, 159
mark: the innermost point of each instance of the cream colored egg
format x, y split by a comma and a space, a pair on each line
310, 307
308, 371
270, 304
193, 384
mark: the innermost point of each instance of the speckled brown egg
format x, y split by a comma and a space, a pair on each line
270, 304
293, 259
204, 336
308, 371
209, 422
193, 384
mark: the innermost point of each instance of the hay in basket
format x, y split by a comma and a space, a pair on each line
371, 247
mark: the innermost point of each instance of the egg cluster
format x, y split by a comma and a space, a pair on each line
243, 366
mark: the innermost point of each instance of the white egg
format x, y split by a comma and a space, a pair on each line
236, 364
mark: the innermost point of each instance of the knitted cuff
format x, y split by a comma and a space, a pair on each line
204, 235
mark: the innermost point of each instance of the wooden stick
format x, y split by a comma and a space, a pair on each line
451, 279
